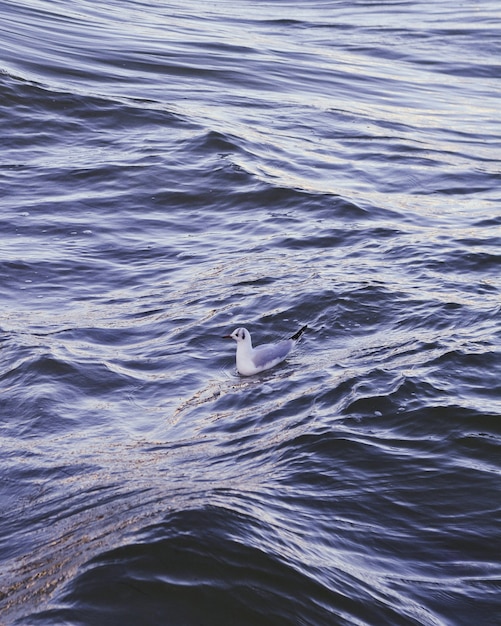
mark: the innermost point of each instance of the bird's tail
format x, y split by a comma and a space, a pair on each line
296, 336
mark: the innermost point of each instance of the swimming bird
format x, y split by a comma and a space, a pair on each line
254, 360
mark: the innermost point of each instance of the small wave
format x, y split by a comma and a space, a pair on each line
207, 565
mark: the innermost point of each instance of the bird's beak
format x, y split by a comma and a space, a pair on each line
227, 337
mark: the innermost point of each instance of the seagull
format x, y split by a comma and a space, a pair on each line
254, 360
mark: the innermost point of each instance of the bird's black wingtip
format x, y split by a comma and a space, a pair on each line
296, 336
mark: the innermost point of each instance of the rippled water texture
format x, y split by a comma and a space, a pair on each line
173, 170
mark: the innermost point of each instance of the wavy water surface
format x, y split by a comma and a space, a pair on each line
172, 171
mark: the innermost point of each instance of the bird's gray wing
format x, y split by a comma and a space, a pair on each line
273, 352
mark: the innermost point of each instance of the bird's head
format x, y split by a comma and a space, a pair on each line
239, 334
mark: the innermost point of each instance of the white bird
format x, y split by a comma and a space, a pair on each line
254, 360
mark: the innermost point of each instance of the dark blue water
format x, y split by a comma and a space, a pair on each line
172, 170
